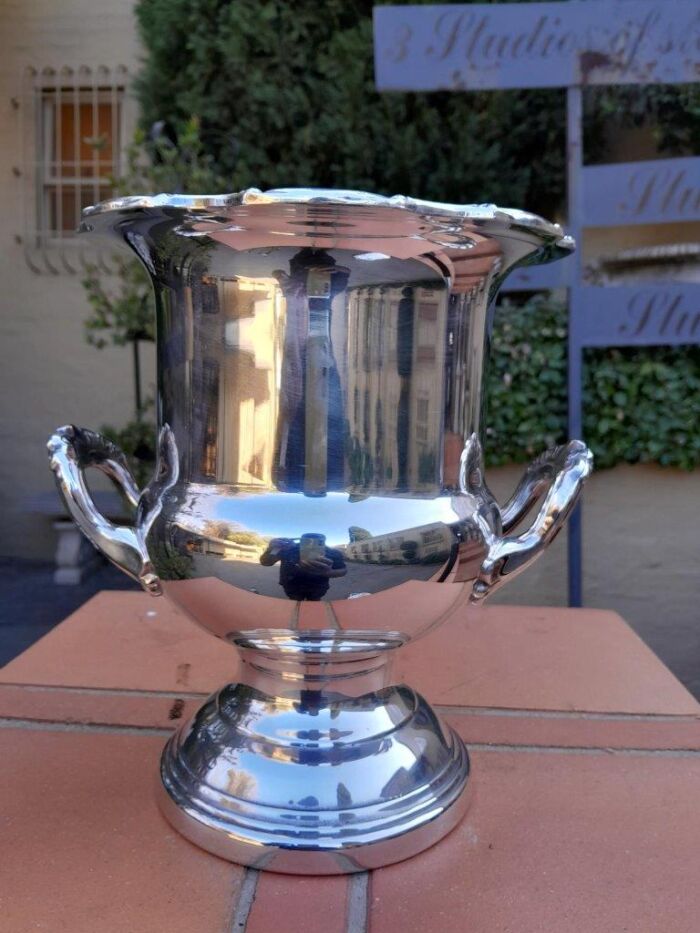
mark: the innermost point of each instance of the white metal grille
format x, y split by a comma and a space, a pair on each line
74, 135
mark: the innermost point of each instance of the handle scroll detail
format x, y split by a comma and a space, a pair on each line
72, 450
561, 470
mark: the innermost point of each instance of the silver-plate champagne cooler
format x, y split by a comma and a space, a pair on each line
319, 501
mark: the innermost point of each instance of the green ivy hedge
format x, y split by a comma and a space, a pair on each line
640, 405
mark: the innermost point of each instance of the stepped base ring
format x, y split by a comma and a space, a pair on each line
202, 801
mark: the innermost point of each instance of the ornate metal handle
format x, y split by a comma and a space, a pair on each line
537, 477
563, 469
71, 451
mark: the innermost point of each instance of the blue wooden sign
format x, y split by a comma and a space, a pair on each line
515, 45
569, 44
658, 191
538, 278
637, 315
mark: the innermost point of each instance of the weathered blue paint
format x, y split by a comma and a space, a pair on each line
658, 191
556, 44
637, 315
539, 278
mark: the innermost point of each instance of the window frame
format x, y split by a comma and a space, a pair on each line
49, 171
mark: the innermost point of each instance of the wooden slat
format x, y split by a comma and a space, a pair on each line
506, 45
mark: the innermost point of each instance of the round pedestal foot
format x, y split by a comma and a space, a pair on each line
323, 784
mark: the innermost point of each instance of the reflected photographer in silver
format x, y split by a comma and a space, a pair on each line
306, 566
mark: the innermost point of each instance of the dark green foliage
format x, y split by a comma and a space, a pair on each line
137, 439
121, 307
640, 405
526, 390
671, 110
285, 95
169, 563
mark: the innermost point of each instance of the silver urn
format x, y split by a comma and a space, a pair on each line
319, 500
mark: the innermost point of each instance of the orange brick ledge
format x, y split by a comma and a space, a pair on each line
586, 756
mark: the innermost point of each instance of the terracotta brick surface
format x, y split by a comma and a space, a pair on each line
558, 843
542, 658
165, 711
130, 641
213, 598
404, 608
505, 656
314, 616
307, 905
586, 770
601, 731
95, 707
84, 848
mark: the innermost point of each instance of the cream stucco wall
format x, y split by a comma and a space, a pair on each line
49, 376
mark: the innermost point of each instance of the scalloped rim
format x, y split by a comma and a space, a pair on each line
504, 218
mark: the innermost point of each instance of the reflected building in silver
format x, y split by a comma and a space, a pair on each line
396, 354
241, 321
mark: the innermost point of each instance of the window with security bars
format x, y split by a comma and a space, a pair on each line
79, 139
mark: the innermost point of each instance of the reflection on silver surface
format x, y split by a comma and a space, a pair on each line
316, 763
321, 362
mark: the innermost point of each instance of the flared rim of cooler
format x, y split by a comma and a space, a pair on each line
453, 224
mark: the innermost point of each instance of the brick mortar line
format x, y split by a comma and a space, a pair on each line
505, 711
586, 750
62, 726
245, 900
357, 911
108, 691
58, 725
589, 715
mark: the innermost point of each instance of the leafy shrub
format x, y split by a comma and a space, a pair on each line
285, 95
137, 440
526, 390
640, 405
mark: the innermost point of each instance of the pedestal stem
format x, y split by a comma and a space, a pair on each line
316, 662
